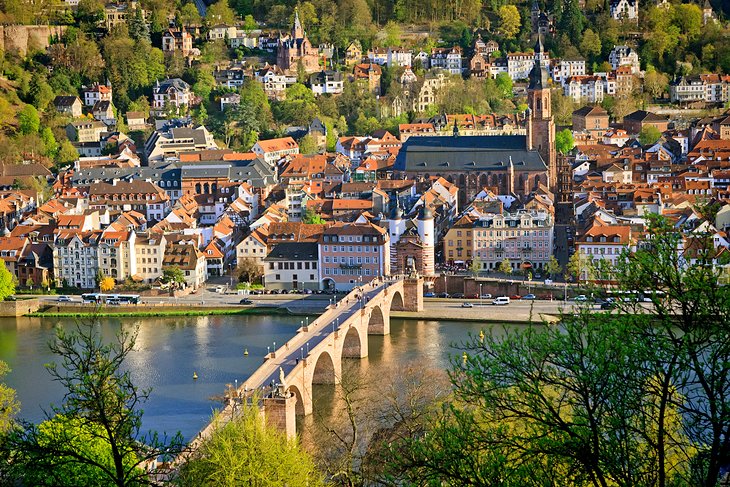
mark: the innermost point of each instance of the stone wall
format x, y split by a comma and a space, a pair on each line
19, 307
19, 39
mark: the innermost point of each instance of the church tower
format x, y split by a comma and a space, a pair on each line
297, 31
540, 126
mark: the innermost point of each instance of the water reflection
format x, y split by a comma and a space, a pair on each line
170, 350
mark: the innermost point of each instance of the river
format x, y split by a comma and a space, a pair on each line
170, 350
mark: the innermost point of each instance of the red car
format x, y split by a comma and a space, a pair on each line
515, 296
473, 296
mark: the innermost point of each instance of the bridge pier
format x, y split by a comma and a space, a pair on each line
281, 413
412, 294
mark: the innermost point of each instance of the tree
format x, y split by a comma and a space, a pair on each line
509, 21
564, 142
505, 267
649, 135
189, 14
174, 277
67, 154
393, 34
246, 451
220, 13
590, 45
9, 405
580, 267
249, 271
249, 23
311, 216
553, 266
308, 145
655, 83
106, 284
504, 85
476, 266
29, 122
572, 21
7, 282
50, 146
97, 427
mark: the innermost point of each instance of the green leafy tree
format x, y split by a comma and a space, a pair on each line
573, 21
564, 142
173, 276
249, 271
137, 25
310, 216
9, 406
246, 451
307, 145
220, 13
476, 266
50, 146
67, 154
649, 134
580, 267
189, 15
590, 45
95, 433
505, 267
655, 83
553, 266
7, 282
504, 85
249, 23
509, 21
29, 122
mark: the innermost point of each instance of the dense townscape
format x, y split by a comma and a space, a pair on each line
148, 148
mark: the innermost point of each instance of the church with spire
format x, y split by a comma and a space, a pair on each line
540, 123
296, 49
518, 165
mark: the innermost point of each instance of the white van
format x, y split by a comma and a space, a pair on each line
501, 300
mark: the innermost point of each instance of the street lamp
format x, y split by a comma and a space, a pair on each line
480, 294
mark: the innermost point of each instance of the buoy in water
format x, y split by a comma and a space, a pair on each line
195, 375
245, 351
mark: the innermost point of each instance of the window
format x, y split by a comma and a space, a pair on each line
311, 277
277, 277
295, 277
299, 266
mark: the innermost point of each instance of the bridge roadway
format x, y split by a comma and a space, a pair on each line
314, 355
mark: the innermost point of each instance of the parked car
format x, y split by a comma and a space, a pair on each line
429, 295
529, 296
501, 301
515, 296
608, 305
64, 299
458, 295
486, 296
580, 298
444, 295
473, 296
245, 301
466, 304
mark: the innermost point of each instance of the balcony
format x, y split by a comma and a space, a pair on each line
350, 266
526, 250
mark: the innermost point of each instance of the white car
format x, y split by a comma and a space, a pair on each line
64, 299
485, 296
501, 301
467, 305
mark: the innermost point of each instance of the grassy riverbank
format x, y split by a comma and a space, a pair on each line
110, 313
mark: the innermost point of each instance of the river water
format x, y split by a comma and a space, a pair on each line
170, 350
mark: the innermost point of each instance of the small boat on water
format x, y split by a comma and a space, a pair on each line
195, 376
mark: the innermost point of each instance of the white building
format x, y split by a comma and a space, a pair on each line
625, 10
399, 57
584, 89
566, 68
624, 56
292, 265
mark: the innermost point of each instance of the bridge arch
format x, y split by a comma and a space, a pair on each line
354, 345
396, 302
377, 322
324, 370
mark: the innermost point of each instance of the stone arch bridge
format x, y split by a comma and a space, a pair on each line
315, 354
